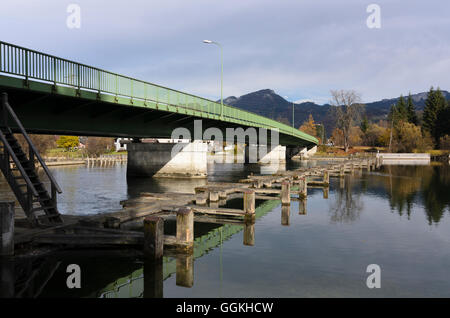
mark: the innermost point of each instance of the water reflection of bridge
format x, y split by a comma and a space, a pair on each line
132, 285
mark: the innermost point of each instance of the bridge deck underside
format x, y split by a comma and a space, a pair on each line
43, 108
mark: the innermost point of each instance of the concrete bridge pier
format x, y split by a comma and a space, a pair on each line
170, 160
261, 154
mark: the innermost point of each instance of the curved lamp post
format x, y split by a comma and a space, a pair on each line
221, 73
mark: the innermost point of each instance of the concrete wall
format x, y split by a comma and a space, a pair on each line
305, 153
276, 155
404, 158
181, 160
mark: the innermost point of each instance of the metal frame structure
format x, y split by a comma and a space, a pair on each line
36, 67
39, 206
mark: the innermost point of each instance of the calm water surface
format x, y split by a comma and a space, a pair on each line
396, 217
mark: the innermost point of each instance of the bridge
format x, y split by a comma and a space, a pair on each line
52, 95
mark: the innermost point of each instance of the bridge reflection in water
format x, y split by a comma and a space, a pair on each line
119, 273
136, 285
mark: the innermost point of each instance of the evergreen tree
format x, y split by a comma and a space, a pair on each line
401, 110
412, 116
364, 125
434, 104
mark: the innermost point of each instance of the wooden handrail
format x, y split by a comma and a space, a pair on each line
28, 140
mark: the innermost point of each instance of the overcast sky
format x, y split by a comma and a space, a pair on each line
299, 48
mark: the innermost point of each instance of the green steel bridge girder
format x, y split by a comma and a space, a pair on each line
56, 96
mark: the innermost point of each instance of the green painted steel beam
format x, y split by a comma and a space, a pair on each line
31, 72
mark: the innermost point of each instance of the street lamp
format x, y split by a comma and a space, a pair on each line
292, 114
221, 73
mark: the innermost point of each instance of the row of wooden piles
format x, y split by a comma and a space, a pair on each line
206, 205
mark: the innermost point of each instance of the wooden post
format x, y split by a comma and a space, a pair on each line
249, 205
326, 178
222, 195
267, 184
285, 193
249, 234
342, 171
285, 214
352, 169
7, 278
368, 165
302, 188
257, 184
185, 270
153, 237
213, 196
342, 183
302, 207
6, 228
153, 278
200, 198
112, 222
185, 227
325, 192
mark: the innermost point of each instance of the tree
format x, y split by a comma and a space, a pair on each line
98, 145
309, 126
408, 137
364, 125
68, 142
401, 109
338, 137
42, 143
411, 111
347, 109
375, 136
443, 123
434, 104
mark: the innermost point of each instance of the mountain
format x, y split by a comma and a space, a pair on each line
267, 103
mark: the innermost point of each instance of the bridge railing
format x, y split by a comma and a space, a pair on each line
39, 66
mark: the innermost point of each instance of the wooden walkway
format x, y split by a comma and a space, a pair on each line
119, 228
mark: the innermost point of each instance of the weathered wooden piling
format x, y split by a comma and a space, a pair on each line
200, 199
7, 278
342, 171
326, 178
285, 215
153, 278
153, 237
249, 234
302, 188
302, 207
6, 228
325, 192
185, 270
112, 222
222, 195
185, 228
213, 196
285, 193
249, 205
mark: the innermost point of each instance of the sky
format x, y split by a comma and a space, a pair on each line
301, 49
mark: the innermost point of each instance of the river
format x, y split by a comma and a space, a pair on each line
397, 217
